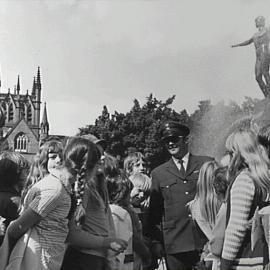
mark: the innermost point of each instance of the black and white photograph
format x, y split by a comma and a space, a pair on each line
134, 135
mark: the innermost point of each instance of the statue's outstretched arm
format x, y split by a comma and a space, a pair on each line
245, 43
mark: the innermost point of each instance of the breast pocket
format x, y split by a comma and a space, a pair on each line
167, 190
192, 182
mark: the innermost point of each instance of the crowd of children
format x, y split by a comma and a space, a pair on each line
75, 208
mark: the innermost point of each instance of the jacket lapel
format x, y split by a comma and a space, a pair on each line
193, 164
172, 168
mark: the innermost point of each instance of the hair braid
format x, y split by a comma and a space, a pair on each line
79, 188
80, 158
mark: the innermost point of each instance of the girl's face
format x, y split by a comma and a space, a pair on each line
138, 167
54, 161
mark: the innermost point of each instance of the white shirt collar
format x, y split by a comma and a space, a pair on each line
185, 161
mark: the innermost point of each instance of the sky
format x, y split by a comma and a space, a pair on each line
109, 52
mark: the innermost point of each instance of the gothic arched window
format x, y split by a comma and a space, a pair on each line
4, 107
20, 143
10, 112
29, 113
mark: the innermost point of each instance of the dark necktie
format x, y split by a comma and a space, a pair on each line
182, 168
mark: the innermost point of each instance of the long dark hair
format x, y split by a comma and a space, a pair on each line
13, 170
119, 188
80, 159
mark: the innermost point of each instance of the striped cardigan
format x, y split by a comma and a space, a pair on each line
242, 194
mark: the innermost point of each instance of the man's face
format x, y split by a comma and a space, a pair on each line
177, 146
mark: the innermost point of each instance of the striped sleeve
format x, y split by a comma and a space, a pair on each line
242, 194
46, 200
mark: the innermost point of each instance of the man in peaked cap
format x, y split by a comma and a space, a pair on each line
173, 187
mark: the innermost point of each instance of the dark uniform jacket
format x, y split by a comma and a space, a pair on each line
171, 191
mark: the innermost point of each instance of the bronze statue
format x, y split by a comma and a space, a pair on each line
261, 41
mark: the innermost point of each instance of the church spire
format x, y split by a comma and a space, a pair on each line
18, 87
38, 81
38, 86
45, 117
34, 87
44, 126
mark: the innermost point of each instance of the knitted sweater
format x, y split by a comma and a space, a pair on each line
242, 194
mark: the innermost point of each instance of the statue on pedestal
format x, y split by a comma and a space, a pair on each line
261, 40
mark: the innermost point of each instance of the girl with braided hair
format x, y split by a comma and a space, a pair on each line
37, 239
90, 232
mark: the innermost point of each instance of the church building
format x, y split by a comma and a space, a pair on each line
23, 130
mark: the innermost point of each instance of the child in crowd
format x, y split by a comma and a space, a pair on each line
140, 195
249, 187
141, 191
220, 185
38, 236
127, 223
134, 166
13, 171
49, 157
205, 206
92, 233
134, 163
264, 140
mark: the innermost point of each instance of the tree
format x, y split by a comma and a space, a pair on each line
139, 128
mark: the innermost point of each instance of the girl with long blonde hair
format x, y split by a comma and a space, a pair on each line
249, 188
205, 206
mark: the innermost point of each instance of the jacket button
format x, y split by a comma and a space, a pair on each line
185, 182
186, 192
189, 215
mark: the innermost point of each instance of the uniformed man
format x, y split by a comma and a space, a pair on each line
173, 186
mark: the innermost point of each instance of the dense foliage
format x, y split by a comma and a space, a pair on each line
139, 129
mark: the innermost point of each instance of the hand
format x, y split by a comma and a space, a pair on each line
115, 244
146, 203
